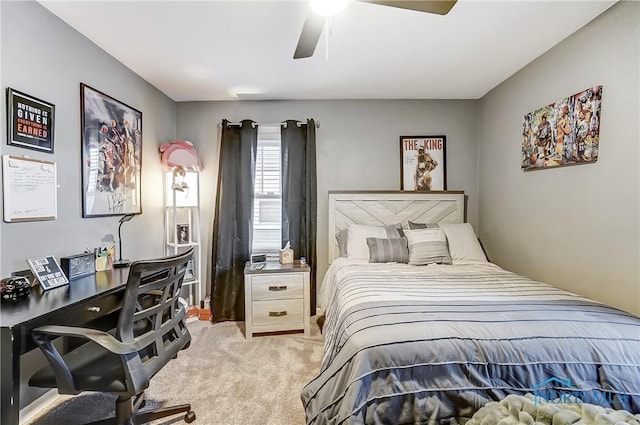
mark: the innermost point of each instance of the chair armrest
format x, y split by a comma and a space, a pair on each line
44, 336
64, 378
99, 337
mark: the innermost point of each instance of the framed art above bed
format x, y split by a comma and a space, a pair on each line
423, 163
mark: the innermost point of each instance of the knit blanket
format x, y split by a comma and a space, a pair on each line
529, 410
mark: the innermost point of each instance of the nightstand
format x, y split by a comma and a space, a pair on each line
276, 298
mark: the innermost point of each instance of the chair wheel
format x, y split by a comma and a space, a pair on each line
190, 416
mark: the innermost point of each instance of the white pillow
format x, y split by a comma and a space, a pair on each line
357, 239
463, 243
427, 246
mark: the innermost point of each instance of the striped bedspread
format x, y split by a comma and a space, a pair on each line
432, 344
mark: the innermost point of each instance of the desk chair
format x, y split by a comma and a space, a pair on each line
151, 330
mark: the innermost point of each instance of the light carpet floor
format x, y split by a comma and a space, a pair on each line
227, 379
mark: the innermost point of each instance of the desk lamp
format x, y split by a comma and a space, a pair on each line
121, 262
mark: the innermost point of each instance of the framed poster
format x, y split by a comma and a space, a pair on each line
566, 132
111, 134
48, 272
29, 121
423, 163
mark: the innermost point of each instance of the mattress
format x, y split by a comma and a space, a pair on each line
433, 344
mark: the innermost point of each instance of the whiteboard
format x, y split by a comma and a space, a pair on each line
29, 189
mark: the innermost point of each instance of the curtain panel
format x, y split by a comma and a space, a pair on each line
299, 197
233, 222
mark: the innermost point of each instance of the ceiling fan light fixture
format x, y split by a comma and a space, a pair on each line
328, 7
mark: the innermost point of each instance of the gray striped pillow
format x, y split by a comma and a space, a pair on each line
357, 234
427, 246
393, 250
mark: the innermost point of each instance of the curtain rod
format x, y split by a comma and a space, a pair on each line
273, 124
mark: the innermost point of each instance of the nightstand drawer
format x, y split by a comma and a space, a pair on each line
277, 286
269, 313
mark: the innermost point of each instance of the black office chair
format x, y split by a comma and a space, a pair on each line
151, 330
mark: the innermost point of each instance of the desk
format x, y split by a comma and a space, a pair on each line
90, 299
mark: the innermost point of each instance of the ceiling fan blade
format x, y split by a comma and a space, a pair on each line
309, 36
439, 7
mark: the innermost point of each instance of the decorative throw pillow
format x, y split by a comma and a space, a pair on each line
427, 246
414, 226
392, 250
357, 238
342, 238
463, 243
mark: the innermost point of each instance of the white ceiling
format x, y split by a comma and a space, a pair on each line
220, 50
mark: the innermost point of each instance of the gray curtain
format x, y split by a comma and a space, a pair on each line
299, 186
233, 222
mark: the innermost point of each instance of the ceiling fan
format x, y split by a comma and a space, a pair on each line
322, 9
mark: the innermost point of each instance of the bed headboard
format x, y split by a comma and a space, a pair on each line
376, 208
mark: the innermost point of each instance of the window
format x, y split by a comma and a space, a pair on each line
267, 204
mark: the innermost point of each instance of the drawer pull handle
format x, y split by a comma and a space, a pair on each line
277, 313
278, 288
95, 309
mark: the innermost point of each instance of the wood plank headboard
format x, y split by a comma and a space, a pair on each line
377, 208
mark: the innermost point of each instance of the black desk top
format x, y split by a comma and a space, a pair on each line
40, 303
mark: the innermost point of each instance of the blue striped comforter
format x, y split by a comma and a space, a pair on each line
432, 344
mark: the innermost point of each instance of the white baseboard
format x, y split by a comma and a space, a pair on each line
38, 405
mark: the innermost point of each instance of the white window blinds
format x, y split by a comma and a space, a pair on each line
267, 205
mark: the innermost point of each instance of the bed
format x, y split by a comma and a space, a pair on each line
434, 343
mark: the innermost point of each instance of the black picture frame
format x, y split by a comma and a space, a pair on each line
423, 163
111, 137
30, 121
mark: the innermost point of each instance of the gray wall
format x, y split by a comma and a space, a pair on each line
574, 227
48, 61
358, 145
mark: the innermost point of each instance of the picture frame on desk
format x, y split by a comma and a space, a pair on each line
48, 272
111, 138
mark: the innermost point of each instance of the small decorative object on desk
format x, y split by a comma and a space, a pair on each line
14, 288
104, 258
303, 260
286, 254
